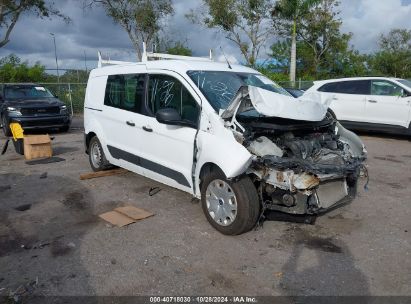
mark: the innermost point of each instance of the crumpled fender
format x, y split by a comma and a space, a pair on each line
224, 151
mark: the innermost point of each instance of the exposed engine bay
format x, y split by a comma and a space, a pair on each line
301, 167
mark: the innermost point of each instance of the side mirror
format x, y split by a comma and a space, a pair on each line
170, 116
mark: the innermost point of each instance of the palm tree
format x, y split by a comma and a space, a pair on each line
293, 10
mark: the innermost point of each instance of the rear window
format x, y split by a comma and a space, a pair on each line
360, 87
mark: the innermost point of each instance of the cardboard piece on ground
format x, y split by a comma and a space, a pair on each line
134, 213
102, 173
37, 146
126, 215
116, 218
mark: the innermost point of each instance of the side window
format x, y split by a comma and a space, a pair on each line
167, 92
329, 87
385, 88
360, 87
125, 92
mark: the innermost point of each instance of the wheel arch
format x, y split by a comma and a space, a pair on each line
206, 168
87, 138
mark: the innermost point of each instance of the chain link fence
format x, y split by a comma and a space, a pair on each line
299, 84
72, 94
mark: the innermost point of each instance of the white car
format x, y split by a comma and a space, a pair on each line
225, 134
369, 103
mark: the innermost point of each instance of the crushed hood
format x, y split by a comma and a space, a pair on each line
309, 107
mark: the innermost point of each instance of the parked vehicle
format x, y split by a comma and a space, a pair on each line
369, 103
295, 92
225, 134
33, 106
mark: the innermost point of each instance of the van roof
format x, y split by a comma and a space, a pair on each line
179, 66
353, 78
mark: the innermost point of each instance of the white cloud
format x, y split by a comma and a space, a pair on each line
93, 30
367, 19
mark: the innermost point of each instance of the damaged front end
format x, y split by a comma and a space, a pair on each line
306, 164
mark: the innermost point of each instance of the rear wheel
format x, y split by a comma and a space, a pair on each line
231, 207
97, 159
6, 128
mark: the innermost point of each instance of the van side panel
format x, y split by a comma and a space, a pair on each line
93, 108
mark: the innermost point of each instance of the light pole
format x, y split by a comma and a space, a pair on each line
85, 60
55, 53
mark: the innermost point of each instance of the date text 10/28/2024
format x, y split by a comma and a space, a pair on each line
203, 299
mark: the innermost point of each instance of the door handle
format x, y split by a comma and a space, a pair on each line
130, 123
371, 100
147, 129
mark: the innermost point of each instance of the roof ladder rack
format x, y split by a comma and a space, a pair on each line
102, 62
147, 55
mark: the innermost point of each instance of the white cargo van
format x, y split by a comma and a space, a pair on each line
225, 134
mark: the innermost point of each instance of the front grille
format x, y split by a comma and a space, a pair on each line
40, 111
43, 122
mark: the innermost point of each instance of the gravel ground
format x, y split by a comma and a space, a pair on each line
53, 243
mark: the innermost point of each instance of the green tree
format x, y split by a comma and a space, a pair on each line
280, 52
323, 51
142, 19
12, 10
287, 15
179, 49
394, 56
246, 23
74, 76
13, 70
319, 29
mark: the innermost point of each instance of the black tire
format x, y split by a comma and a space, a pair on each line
248, 205
103, 164
64, 129
6, 128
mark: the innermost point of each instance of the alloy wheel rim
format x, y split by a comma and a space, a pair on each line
95, 155
221, 202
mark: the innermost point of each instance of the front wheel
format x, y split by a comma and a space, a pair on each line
231, 207
97, 159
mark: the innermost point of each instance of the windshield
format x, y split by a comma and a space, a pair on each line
26, 92
220, 87
405, 82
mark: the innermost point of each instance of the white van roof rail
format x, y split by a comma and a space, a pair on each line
147, 55
102, 62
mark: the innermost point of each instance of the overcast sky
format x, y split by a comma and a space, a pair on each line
92, 30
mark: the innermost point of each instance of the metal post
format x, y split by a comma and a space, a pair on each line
71, 100
85, 60
55, 54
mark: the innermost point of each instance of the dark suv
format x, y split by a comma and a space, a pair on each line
33, 106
